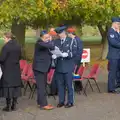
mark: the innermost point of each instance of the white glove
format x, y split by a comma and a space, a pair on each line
56, 48
64, 54
54, 56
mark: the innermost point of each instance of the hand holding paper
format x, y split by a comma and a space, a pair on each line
54, 56
57, 52
56, 48
64, 54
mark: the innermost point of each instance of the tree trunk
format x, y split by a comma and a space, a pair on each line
103, 32
104, 48
37, 33
81, 32
19, 31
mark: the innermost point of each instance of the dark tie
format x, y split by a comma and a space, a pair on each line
62, 41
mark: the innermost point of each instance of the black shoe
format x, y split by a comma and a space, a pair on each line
114, 92
6, 109
13, 107
69, 105
8, 104
117, 86
60, 105
14, 102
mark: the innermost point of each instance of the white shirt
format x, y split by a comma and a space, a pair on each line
63, 40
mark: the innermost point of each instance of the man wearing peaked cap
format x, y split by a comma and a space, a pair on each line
114, 56
65, 67
60, 29
79, 44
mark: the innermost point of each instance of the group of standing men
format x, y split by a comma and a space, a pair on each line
71, 47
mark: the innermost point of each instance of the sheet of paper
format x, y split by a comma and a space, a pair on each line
1, 72
57, 52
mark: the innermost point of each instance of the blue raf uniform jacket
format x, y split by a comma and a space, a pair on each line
79, 43
114, 44
65, 65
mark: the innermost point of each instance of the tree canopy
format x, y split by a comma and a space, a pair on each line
29, 11
40, 12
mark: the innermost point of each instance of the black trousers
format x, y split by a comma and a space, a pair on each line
78, 84
54, 86
41, 81
78, 64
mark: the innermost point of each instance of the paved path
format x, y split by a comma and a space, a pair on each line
96, 106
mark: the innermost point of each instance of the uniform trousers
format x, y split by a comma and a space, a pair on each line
64, 80
113, 74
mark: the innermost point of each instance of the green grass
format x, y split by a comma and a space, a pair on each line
86, 39
91, 35
91, 39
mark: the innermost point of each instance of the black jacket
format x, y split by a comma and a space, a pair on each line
42, 56
9, 60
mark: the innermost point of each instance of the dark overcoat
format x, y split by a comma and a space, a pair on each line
9, 60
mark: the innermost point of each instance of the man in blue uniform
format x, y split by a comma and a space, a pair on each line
65, 67
79, 43
114, 55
